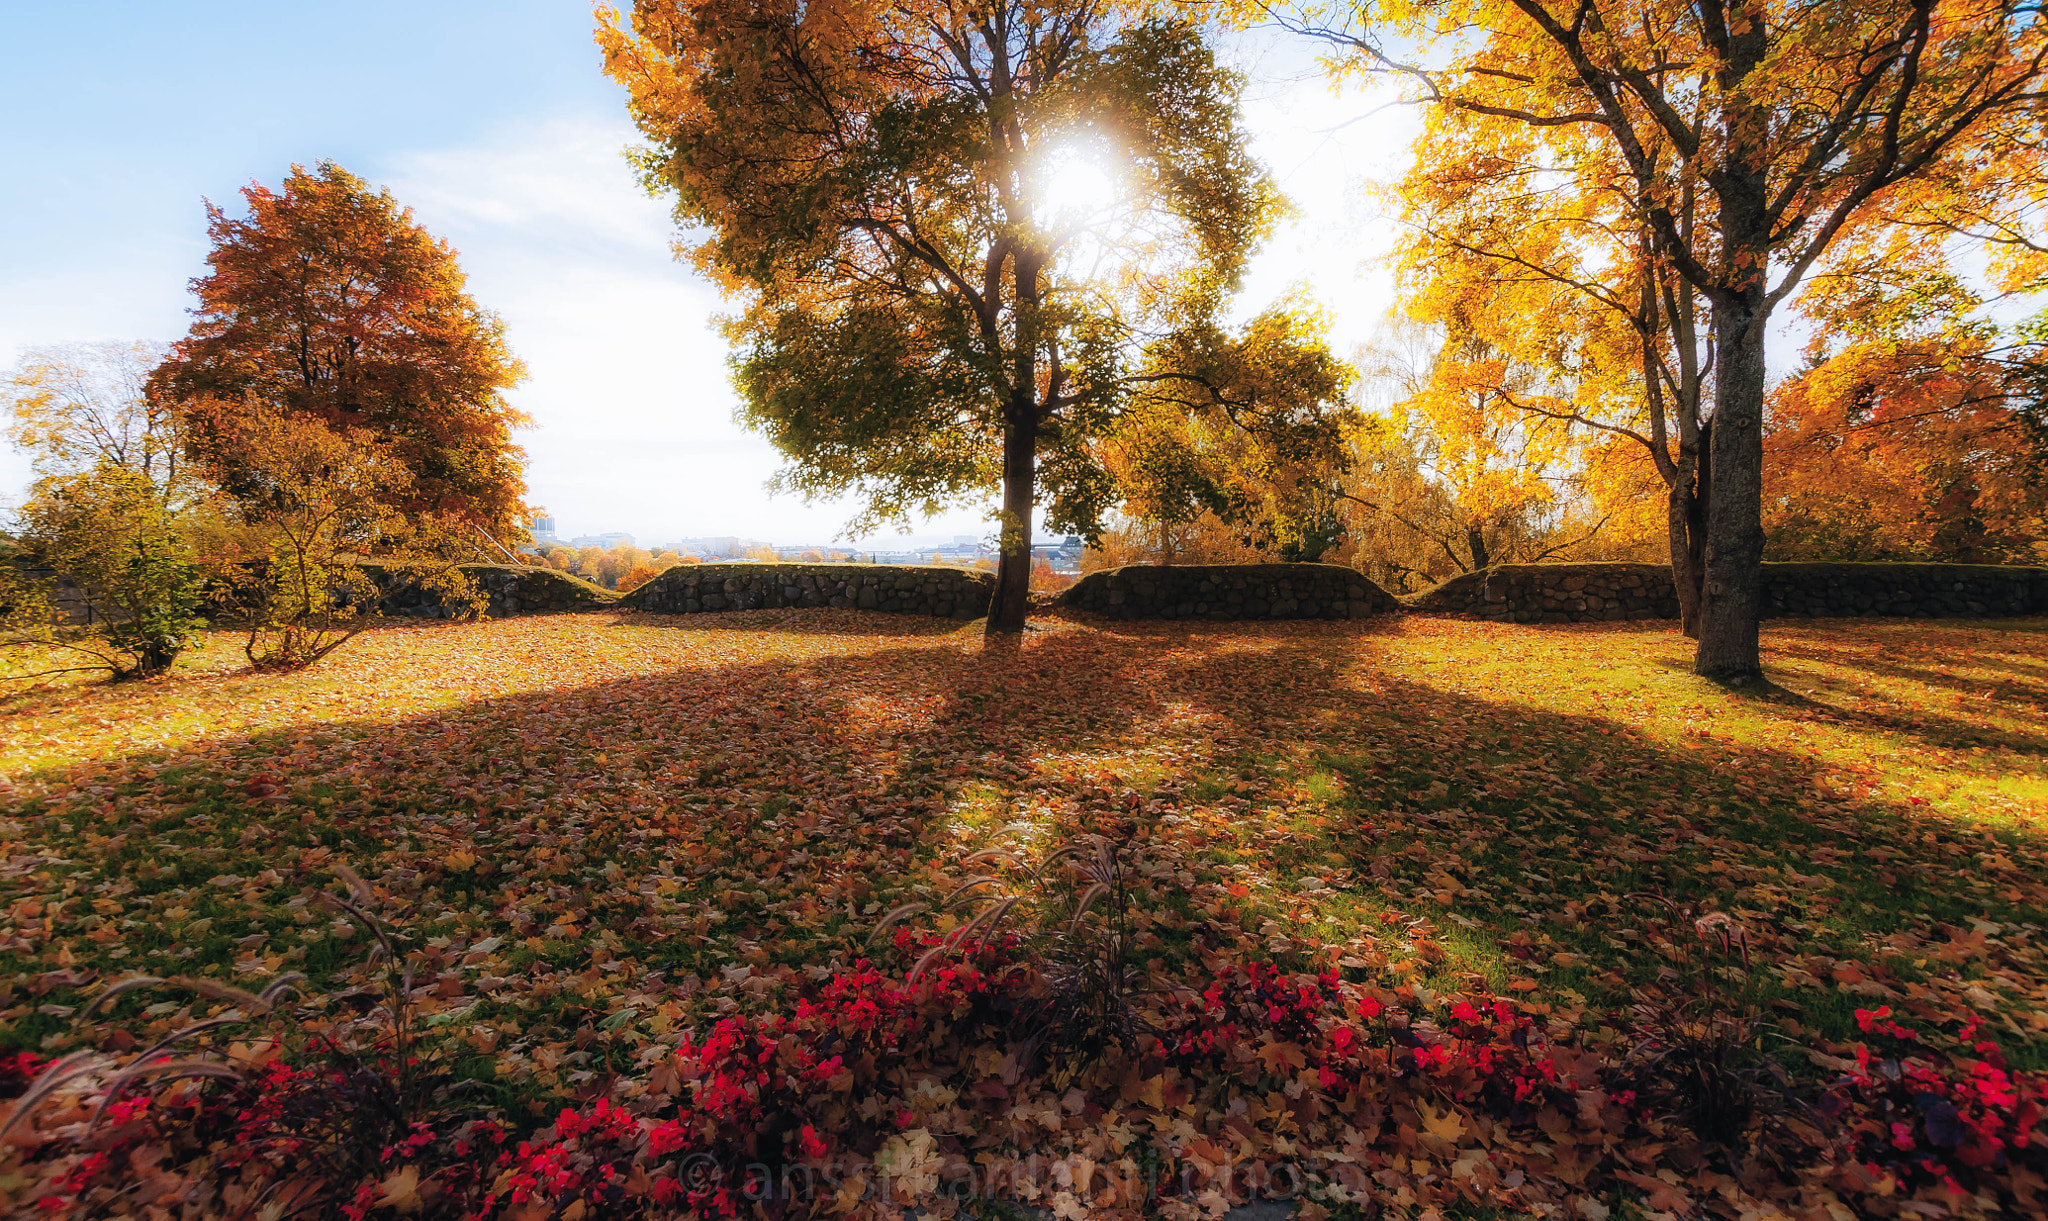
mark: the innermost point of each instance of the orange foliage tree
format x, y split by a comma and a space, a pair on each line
640, 575
1914, 431
327, 302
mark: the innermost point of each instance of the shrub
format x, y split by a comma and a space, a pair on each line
1929, 1111
1071, 914
1699, 1050
288, 554
642, 574
109, 537
1045, 581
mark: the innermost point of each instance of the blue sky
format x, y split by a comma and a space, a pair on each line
495, 123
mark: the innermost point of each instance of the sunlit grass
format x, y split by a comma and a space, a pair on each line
620, 798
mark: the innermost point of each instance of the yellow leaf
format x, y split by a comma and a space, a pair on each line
1449, 1125
402, 1189
1153, 1093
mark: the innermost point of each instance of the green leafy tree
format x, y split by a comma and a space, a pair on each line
965, 235
1245, 428
100, 574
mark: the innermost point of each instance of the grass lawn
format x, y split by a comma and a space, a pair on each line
603, 829
568, 807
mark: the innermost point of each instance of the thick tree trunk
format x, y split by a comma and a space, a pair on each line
1731, 584
1477, 542
1731, 587
1691, 492
1012, 601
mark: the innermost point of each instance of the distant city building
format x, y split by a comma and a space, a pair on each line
721, 545
544, 530
1063, 556
603, 542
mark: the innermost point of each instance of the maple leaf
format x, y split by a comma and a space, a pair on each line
401, 1190
1448, 1126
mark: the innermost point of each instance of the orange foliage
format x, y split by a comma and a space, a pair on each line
640, 575
1903, 449
328, 302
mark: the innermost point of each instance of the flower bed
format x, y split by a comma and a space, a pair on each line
882, 1097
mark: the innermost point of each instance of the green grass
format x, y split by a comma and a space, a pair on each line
679, 816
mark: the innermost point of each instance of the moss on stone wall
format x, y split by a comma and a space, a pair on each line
904, 589
521, 590
1229, 591
1576, 593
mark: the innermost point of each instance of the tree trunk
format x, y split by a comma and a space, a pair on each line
1012, 601
1731, 588
1732, 583
1477, 542
1691, 492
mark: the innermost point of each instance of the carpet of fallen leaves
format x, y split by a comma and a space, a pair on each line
606, 830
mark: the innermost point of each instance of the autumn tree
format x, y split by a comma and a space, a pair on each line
99, 575
1238, 434
1912, 431
1739, 142
327, 302
639, 575
81, 407
1527, 241
934, 307
1449, 456
304, 558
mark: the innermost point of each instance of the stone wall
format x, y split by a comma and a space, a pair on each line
513, 591
1555, 593
904, 589
1229, 591
1577, 593
1916, 591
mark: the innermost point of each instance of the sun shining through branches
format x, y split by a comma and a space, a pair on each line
1077, 191
964, 236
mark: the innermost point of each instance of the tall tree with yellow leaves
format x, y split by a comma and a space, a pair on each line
1740, 139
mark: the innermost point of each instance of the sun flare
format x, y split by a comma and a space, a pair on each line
1076, 188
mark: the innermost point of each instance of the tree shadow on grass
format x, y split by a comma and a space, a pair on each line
703, 820
2026, 686
805, 621
1936, 729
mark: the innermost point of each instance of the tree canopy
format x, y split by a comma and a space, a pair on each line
935, 305
327, 302
77, 407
